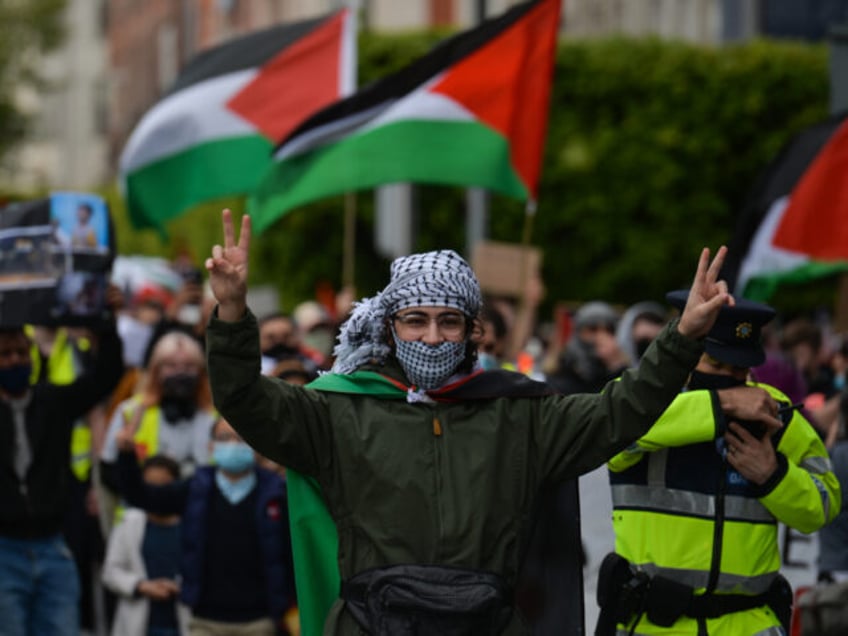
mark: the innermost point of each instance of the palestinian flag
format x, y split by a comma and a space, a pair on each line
472, 112
212, 134
793, 228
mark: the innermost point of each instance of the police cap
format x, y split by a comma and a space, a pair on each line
736, 335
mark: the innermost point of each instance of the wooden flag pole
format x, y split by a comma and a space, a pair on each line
525, 314
349, 246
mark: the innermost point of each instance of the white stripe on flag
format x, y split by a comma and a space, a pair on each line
763, 257
187, 118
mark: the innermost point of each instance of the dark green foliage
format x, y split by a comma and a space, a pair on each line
652, 148
28, 29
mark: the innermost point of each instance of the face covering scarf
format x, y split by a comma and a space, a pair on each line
428, 366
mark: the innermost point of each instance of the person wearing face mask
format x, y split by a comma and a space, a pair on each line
592, 357
638, 327
39, 590
280, 339
698, 499
236, 568
142, 564
430, 470
171, 412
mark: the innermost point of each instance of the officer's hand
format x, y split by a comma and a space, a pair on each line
753, 458
228, 269
750, 403
706, 297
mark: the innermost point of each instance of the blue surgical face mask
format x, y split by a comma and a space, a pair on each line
233, 457
487, 361
15, 380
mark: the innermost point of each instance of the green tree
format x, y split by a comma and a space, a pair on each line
28, 29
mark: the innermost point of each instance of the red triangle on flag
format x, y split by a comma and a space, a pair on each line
297, 82
506, 83
814, 222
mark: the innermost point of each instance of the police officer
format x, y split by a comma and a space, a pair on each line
697, 501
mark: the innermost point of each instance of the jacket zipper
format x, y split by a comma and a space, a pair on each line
437, 452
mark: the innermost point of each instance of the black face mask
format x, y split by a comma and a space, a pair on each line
701, 380
642, 347
179, 396
280, 351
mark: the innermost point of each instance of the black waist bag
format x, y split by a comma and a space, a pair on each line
406, 600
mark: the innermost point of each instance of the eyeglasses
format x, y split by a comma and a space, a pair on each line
449, 324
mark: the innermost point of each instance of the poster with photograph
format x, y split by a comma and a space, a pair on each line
55, 257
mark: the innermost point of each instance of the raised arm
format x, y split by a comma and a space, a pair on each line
228, 269
285, 423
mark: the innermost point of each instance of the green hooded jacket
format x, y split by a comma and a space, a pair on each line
447, 483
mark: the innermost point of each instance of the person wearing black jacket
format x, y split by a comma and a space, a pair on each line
39, 588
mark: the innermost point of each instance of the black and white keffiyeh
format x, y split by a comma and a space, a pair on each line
430, 279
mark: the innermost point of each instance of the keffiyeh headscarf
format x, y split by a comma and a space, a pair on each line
431, 279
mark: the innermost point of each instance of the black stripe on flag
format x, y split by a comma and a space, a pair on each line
777, 180
442, 56
245, 52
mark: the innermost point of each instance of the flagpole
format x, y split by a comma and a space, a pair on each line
349, 239
349, 249
525, 314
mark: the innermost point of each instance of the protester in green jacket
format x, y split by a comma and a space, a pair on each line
431, 469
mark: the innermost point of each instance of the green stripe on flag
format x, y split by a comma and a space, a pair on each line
762, 287
212, 170
424, 151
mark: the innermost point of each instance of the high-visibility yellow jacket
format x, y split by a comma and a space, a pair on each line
682, 512
63, 368
146, 437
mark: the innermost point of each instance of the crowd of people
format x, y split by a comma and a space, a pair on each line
432, 443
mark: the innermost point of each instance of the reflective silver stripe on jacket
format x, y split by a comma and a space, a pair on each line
817, 465
685, 502
769, 631
727, 583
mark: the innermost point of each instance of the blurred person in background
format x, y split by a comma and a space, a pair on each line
833, 538
592, 356
171, 413
280, 339
39, 586
493, 344
237, 572
317, 330
184, 313
638, 327
142, 564
802, 342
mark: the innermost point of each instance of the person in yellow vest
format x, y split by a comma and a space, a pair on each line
697, 501
171, 413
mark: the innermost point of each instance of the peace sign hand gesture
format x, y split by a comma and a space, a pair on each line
227, 269
706, 297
